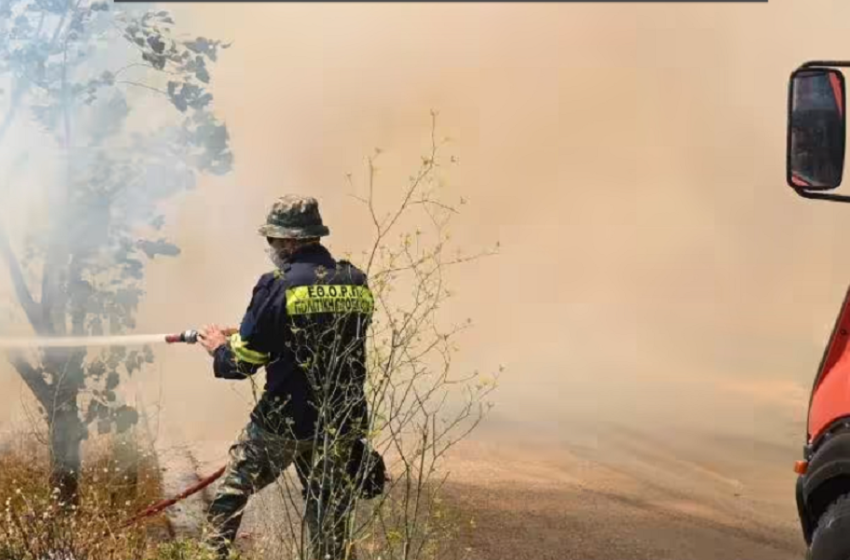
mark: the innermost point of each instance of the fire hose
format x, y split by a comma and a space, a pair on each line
164, 504
187, 337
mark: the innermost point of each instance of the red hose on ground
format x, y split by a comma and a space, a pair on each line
159, 506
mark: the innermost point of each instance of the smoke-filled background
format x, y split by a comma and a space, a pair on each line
655, 272
628, 158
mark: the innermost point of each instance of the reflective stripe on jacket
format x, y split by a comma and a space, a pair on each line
306, 324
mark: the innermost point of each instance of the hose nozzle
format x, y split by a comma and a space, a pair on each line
187, 337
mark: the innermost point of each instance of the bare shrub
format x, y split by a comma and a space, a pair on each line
419, 407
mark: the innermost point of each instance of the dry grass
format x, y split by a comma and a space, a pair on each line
119, 480
434, 531
387, 528
116, 482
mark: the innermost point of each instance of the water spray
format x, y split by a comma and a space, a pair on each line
186, 337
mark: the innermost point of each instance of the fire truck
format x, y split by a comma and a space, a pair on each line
815, 149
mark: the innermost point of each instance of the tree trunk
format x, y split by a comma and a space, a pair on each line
67, 433
66, 428
59, 400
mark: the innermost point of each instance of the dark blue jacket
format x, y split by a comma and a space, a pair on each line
306, 324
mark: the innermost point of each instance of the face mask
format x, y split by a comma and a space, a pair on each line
277, 256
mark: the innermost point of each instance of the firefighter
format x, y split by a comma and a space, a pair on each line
306, 324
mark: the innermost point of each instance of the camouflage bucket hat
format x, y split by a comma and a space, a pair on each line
294, 217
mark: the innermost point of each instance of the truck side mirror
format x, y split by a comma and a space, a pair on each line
816, 129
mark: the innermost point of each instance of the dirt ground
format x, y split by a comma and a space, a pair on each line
616, 493
708, 477
627, 496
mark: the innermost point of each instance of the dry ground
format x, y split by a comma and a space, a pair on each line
652, 489
618, 494
628, 497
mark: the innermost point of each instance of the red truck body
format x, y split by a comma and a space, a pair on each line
830, 398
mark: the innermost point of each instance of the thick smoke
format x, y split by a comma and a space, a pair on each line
654, 267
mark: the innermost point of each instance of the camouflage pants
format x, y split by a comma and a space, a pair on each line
257, 459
